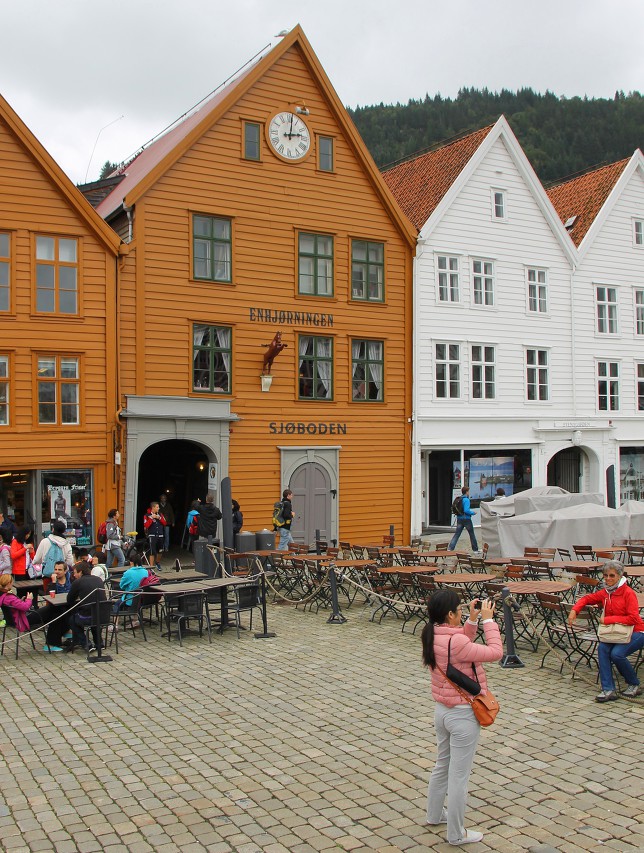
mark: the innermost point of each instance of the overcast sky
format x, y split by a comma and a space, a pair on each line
71, 67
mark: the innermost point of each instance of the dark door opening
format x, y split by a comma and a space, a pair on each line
564, 470
180, 470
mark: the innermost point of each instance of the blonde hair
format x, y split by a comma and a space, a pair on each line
6, 582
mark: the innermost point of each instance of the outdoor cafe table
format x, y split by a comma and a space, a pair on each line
170, 576
533, 587
640, 599
23, 586
409, 570
635, 571
470, 580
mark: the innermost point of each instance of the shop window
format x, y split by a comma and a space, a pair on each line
4, 390
448, 284
367, 370
448, 371
606, 301
367, 270
56, 275
58, 390
537, 291
212, 358
67, 495
212, 248
5, 270
315, 272
483, 372
252, 136
325, 154
315, 368
608, 386
631, 474
537, 381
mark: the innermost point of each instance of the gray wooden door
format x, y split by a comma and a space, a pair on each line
310, 485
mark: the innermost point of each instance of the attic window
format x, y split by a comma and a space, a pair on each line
638, 232
568, 224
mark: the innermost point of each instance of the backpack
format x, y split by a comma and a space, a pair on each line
278, 514
148, 581
54, 555
101, 533
193, 530
457, 505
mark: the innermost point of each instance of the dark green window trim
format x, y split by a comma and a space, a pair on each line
315, 268
315, 372
212, 353
367, 371
367, 271
212, 248
325, 154
252, 137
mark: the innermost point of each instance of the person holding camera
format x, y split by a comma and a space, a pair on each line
445, 641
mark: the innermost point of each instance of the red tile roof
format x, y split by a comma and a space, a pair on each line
420, 184
583, 197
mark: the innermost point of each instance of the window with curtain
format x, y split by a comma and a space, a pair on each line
212, 356
315, 356
367, 371
212, 248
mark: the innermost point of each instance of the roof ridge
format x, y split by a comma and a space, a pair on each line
436, 146
559, 182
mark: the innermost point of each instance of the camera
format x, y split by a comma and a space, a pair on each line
477, 604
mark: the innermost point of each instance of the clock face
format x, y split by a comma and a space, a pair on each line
289, 136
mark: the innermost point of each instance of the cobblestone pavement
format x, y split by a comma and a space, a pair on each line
319, 739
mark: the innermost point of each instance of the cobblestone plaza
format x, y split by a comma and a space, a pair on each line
318, 739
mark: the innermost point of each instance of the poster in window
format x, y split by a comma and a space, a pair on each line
631, 476
488, 473
60, 502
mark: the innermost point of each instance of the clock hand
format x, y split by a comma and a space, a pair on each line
290, 130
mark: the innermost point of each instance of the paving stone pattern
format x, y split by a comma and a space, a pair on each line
319, 739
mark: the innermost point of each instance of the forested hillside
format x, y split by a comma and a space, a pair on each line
561, 136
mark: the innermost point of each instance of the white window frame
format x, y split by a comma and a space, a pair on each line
638, 233
606, 309
537, 289
499, 203
448, 279
639, 310
639, 379
483, 370
484, 276
451, 370
535, 372
607, 373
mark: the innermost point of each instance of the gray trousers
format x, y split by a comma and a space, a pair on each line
457, 735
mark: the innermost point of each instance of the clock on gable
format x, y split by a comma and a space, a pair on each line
289, 136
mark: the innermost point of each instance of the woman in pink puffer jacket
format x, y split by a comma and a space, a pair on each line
457, 729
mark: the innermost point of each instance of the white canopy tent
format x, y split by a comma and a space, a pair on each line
584, 524
492, 511
635, 512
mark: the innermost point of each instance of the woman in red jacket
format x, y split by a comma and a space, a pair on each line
21, 544
620, 606
457, 729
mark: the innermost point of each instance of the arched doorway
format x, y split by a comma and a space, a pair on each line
311, 487
565, 469
180, 470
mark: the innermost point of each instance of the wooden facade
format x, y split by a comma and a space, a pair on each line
263, 440
58, 264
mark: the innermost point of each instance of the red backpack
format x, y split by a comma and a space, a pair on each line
101, 533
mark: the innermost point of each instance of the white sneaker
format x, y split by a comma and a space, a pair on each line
471, 837
632, 690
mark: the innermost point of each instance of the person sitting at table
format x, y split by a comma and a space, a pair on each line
98, 563
55, 616
620, 607
61, 579
86, 588
25, 616
131, 581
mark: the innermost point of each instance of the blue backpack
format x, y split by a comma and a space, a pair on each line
54, 555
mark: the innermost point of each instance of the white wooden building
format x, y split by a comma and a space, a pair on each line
604, 210
494, 366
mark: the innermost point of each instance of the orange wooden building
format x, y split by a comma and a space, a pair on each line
262, 212
58, 397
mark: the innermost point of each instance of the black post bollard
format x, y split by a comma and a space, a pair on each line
511, 659
336, 616
266, 633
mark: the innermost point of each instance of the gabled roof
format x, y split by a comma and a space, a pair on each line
419, 184
52, 170
583, 197
155, 160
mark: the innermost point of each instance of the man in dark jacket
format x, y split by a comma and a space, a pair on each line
209, 515
287, 514
85, 588
7, 529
